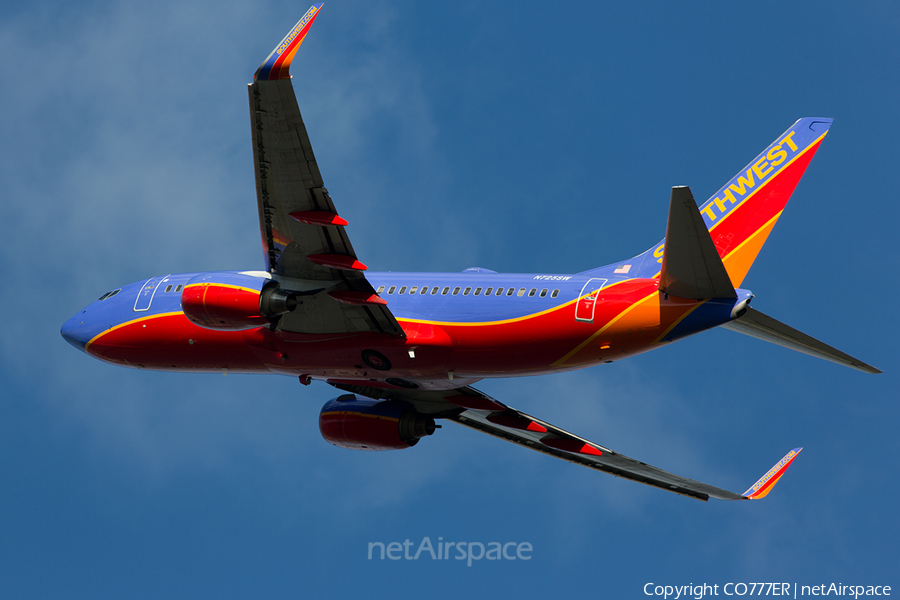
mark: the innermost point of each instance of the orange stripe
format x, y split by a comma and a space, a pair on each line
609, 324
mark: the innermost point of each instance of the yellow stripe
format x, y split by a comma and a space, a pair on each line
602, 329
753, 193
769, 180
765, 489
132, 322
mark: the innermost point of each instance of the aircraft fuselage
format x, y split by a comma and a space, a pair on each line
459, 327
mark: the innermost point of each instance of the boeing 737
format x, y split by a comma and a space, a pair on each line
405, 348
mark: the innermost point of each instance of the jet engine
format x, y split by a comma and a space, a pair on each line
234, 301
360, 423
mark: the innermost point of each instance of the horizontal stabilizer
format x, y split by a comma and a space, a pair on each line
691, 266
764, 327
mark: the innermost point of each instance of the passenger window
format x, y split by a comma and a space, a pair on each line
445, 291
378, 291
466, 291
435, 289
511, 291
532, 292
488, 291
455, 291
521, 292
554, 294
477, 291
177, 288
499, 292
412, 290
423, 291
403, 290
391, 289
543, 292
168, 288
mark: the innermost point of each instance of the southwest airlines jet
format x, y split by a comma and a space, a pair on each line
405, 348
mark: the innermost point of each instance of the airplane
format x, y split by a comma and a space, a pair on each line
405, 347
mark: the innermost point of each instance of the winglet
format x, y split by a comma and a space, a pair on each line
767, 482
279, 61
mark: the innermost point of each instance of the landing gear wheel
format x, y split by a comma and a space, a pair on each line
376, 360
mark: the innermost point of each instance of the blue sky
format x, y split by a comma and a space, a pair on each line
518, 136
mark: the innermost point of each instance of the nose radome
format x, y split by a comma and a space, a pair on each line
74, 332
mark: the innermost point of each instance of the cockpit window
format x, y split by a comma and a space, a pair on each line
109, 294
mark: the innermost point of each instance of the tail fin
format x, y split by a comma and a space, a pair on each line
743, 212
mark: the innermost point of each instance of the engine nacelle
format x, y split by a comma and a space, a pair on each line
360, 423
233, 301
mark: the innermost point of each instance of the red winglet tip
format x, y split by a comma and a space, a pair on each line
765, 483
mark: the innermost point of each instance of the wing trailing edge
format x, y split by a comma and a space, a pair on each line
763, 327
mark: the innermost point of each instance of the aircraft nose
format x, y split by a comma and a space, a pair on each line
74, 331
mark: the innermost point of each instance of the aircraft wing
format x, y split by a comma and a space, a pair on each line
304, 239
472, 408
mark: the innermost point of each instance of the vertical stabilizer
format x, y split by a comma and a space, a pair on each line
743, 212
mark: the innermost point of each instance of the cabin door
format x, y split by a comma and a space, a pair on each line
587, 300
145, 296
